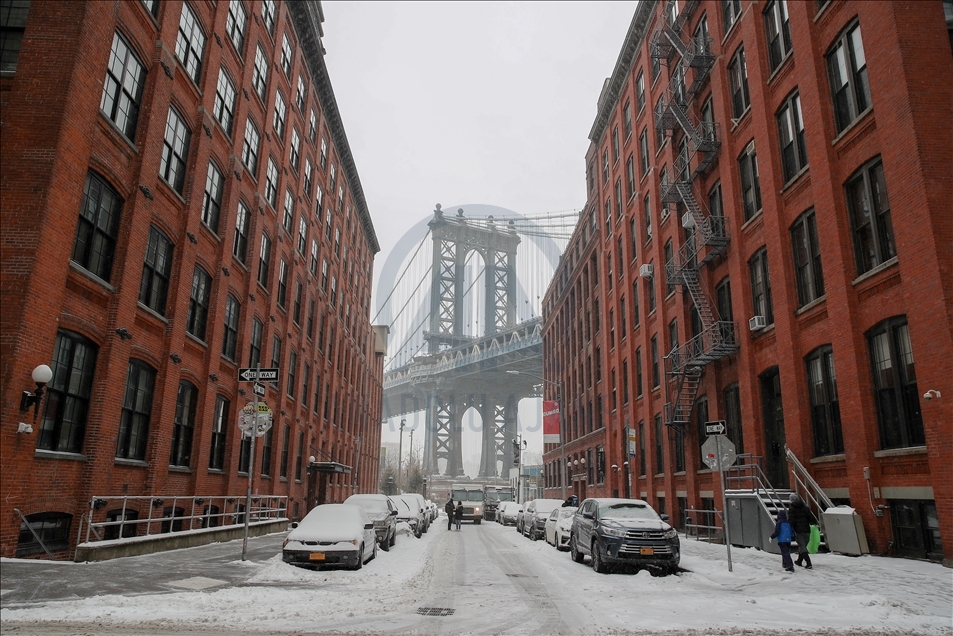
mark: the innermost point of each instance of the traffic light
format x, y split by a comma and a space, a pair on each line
516, 452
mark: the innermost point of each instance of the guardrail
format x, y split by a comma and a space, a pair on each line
704, 525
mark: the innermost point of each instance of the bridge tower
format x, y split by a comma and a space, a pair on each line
453, 240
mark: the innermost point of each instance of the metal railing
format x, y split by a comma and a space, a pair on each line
805, 486
705, 525
118, 518
747, 474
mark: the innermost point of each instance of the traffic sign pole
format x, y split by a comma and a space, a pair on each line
724, 500
251, 469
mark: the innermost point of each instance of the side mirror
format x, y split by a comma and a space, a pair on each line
663, 517
369, 526
588, 515
294, 524
393, 513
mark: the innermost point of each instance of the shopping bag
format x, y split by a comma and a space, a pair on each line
815, 541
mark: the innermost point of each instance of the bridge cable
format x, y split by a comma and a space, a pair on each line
401, 277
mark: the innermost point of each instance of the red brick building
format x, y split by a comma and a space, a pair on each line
768, 241
179, 200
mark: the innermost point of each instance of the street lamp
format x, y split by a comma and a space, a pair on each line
562, 446
400, 453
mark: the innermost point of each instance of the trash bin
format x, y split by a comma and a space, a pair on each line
844, 531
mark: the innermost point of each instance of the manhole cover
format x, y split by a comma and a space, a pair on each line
435, 611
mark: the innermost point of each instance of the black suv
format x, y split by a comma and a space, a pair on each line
623, 531
383, 512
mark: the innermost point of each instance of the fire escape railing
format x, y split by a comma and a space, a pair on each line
708, 234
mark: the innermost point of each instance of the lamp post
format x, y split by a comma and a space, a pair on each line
562, 445
400, 453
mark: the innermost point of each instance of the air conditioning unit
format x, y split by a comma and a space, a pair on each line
688, 221
757, 322
646, 271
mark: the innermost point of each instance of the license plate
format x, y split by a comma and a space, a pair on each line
646, 550
316, 556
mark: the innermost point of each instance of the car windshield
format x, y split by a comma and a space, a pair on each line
492, 495
459, 495
505, 496
474, 495
566, 512
371, 505
627, 511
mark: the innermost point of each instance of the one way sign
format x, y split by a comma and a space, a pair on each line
250, 375
715, 428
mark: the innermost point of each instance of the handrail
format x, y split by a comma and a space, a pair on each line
812, 491
712, 529
758, 477
35, 535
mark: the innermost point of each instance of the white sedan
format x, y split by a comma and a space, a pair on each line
558, 526
332, 534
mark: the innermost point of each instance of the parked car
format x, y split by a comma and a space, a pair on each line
558, 526
424, 507
506, 513
519, 516
433, 510
383, 512
534, 518
410, 512
623, 531
332, 534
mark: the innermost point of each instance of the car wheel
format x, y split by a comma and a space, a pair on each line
574, 552
393, 538
597, 563
385, 544
360, 559
374, 553
417, 532
532, 534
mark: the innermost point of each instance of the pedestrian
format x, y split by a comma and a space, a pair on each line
571, 501
784, 533
801, 519
458, 514
449, 508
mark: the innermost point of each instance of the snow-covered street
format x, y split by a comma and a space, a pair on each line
485, 579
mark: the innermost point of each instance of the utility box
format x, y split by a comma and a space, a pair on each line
844, 531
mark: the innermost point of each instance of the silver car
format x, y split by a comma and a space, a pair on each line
332, 534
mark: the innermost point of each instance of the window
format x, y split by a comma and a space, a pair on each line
190, 43
650, 289
714, 201
615, 144
52, 528
299, 96
656, 375
825, 407
216, 457
156, 271
198, 303
895, 385
308, 176
268, 15
647, 215
266, 445
302, 234
642, 448
254, 348
240, 244
733, 417
673, 334
259, 78
244, 459
184, 424
298, 459
791, 137
659, 130
264, 261
630, 177
13, 14
761, 286
297, 303
250, 147
669, 255
305, 384
310, 319
212, 199
121, 529
701, 417
285, 441
295, 153
230, 337
314, 257
847, 68
313, 127
324, 153
738, 81
63, 427
281, 112
271, 183
224, 106
640, 91
618, 199
332, 298
659, 445
319, 200
807, 259
235, 24
292, 371
275, 354
286, 55
337, 241
136, 410
287, 219
324, 275
98, 227
778, 29
605, 167
656, 69
627, 120
122, 89
175, 151
750, 181
730, 11
723, 295
636, 318
282, 283
870, 221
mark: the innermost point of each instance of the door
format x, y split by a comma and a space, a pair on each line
776, 463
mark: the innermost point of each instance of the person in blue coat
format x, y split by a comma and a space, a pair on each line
784, 533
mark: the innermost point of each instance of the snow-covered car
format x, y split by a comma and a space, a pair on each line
410, 512
332, 534
423, 507
520, 514
623, 531
558, 526
506, 513
383, 512
434, 511
534, 518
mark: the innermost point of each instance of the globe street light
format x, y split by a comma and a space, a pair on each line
559, 398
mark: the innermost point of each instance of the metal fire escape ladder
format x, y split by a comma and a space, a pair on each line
685, 363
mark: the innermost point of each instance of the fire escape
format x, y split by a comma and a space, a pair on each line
707, 235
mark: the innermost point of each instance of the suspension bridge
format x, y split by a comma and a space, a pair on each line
461, 293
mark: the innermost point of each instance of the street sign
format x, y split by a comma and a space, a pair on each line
716, 427
718, 453
254, 422
250, 375
259, 389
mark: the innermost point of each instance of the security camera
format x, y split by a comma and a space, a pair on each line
932, 393
24, 428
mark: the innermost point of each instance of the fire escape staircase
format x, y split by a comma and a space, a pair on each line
717, 340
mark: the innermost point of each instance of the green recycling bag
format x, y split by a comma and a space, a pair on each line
815, 541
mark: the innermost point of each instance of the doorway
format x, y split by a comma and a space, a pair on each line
776, 463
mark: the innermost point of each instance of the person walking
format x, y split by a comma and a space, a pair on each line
458, 514
784, 533
449, 508
801, 519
